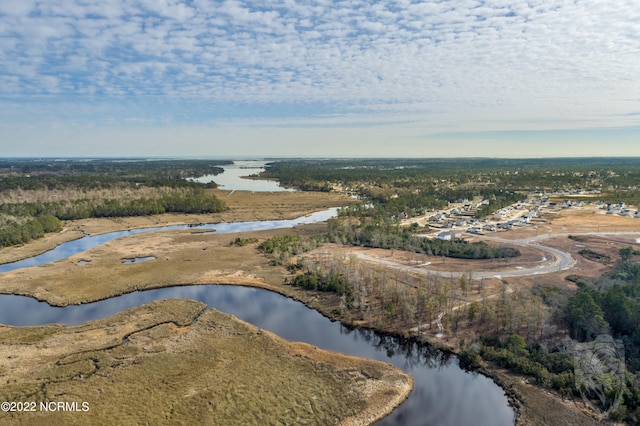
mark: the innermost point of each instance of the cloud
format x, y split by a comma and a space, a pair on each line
464, 60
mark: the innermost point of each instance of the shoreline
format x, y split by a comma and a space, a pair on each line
374, 386
309, 202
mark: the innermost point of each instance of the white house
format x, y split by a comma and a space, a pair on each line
445, 236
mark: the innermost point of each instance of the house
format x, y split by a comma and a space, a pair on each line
437, 217
474, 230
445, 236
461, 222
489, 227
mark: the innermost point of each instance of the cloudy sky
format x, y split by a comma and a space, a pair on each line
494, 78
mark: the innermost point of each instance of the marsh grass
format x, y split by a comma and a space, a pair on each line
172, 370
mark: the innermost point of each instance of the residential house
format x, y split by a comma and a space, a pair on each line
445, 236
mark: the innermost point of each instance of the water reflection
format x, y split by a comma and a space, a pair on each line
444, 394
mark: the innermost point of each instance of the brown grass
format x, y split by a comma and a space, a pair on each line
183, 257
173, 371
242, 206
217, 370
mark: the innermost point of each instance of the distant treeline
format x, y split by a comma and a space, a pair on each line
57, 190
433, 181
193, 200
508, 174
114, 169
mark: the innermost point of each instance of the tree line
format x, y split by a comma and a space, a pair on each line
192, 200
14, 231
449, 179
383, 233
38, 194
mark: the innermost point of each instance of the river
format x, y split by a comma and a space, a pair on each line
443, 394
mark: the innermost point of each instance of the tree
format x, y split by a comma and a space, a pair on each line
585, 317
517, 345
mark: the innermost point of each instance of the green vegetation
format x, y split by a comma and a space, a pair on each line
15, 231
386, 234
315, 281
193, 200
240, 242
50, 174
35, 195
606, 305
594, 255
424, 183
579, 238
283, 248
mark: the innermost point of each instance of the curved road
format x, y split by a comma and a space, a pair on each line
561, 260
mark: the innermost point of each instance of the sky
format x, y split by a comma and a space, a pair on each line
344, 78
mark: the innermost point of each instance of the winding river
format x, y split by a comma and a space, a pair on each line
443, 394
87, 242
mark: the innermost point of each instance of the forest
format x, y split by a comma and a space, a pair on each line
37, 195
447, 179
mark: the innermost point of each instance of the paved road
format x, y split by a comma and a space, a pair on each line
554, 261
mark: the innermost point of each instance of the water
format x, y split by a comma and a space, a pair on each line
87, 242
232, 178
132, 260
443, 394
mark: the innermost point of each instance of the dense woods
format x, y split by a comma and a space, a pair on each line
421, 183
36, 195
21, 230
